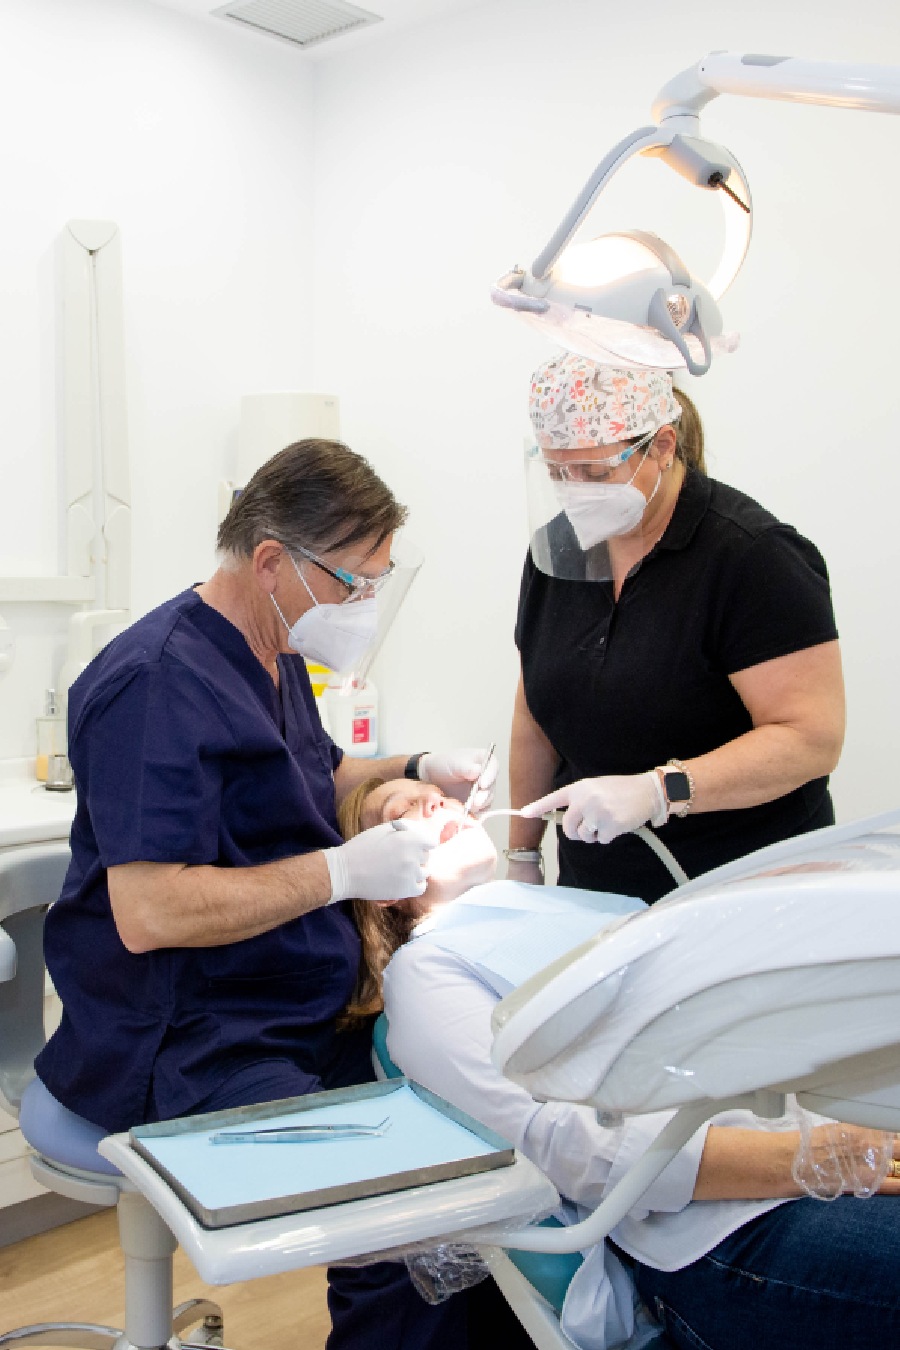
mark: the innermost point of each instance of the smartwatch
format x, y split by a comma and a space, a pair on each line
678, 787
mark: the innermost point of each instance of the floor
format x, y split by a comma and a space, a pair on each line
75, 1272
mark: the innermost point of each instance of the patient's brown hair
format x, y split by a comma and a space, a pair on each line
382, 928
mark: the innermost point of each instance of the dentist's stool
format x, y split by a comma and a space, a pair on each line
66, 1159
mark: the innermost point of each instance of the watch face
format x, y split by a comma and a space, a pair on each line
678, 789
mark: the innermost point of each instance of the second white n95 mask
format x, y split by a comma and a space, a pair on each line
336, 636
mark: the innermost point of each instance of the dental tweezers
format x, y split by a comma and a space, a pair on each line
301, 1134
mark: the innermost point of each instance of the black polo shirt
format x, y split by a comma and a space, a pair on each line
621, 686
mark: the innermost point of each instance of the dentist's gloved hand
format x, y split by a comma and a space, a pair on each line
454, 772
384, 863
600, 809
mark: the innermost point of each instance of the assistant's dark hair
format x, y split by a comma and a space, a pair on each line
689, 443
314, 494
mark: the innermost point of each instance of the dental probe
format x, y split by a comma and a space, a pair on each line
467, 809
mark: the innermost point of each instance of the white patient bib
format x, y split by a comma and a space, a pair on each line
506, 931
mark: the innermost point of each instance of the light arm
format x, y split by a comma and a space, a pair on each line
584, 313
791, 79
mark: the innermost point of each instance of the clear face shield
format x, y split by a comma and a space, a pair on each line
579, 501
388, 596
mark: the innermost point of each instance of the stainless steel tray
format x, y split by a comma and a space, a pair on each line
150, 1142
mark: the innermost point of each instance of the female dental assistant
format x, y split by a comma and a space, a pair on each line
201, 946
680, 663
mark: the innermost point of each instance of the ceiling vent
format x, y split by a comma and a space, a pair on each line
302, 22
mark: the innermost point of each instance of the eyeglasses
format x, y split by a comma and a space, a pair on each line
592, 470
358, 586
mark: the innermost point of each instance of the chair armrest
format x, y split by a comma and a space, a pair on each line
30, 880
31, 876
7, 957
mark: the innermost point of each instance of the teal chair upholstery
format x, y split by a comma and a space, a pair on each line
549, 1273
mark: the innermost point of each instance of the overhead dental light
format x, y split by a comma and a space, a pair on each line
627, 299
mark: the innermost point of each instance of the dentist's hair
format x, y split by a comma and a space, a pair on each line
314, 494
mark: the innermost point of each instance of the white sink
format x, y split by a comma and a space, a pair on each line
29, 814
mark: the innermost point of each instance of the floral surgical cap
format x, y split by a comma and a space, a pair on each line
575, 403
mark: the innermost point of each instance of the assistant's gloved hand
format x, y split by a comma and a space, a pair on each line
454, 772
600, 809
383, 863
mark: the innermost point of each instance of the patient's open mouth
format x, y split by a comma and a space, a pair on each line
450, 830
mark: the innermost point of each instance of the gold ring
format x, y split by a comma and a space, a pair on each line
894, 1168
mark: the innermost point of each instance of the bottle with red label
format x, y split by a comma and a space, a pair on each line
353, 716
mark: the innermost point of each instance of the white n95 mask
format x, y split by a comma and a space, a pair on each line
336, 636
600, 511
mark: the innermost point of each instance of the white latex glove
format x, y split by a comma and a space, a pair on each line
600, 809
384, 863
454, 772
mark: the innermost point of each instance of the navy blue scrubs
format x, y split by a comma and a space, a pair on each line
185, 752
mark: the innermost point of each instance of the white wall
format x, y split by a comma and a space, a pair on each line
196, 140
447, 155
439, 157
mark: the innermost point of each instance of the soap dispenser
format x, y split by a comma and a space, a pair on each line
51, 736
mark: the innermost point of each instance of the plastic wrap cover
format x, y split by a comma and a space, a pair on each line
835, 1159
614, 342
763, 981
445, 1270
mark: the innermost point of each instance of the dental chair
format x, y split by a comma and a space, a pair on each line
65, 1158
776, 975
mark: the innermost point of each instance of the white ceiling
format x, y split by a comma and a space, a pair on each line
397, 15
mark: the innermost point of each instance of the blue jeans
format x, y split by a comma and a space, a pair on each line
808, 1275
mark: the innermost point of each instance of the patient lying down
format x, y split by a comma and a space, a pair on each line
464, 858
713, 1247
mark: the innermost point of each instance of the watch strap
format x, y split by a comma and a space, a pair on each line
412, 766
